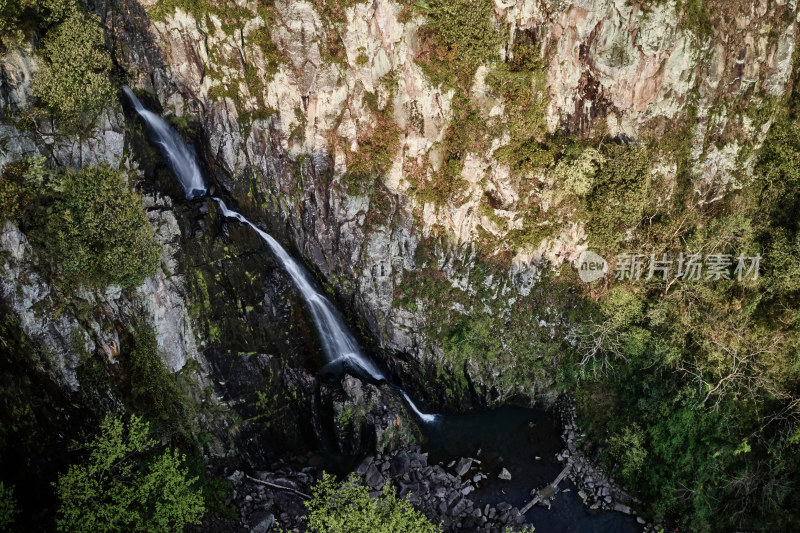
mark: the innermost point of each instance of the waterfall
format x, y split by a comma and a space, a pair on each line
180, 157
338, 344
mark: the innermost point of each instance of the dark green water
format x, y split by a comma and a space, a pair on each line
513, 437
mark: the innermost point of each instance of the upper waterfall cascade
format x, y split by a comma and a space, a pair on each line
179, 156
338, 343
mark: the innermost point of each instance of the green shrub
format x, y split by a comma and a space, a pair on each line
348, 508
8, 507
377, 149
576, 176
74, 82
155, 393
16, 16
19, 183
122, 485
621, 195
526, 156
627, 447
13, 198
464, 37
96, 230
522, 83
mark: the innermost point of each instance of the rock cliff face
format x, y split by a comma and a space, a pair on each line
461, 296
161, 299
283, 99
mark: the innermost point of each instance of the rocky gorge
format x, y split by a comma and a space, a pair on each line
408, 180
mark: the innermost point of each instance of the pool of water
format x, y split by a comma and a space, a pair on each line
512, 438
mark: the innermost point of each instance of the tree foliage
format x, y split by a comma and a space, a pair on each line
124, 486
462, 36
348, 508
74, 82
17, 16
8, 507
95, 230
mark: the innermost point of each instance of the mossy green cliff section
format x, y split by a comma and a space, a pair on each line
440, 167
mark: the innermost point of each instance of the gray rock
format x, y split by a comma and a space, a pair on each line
504, 474
261, 522
374, 478
463, 466
364, 466
399, 464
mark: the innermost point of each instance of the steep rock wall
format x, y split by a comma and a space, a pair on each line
282, 145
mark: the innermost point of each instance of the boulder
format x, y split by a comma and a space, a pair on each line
374, 478
463, 466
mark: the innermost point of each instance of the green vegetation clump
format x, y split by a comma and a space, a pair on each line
8, 507
124, 485
164, 8
348, 508
18, 17
522, 83
92, 228
576, 176
621, 193
463, 36
13, 195
74, 82
154, 391
97, 230
377, 147
377, 150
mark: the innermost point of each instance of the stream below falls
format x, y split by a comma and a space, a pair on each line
512, 437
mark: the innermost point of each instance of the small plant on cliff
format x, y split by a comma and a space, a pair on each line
378, 147
8, 507
463, 36
95, 229
155, 393
348, 508
522, 84
123, 486
74, 82
20, 16
576, 175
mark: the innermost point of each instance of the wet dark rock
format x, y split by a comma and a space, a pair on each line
374, 478
400, 464
463, 466
261, 522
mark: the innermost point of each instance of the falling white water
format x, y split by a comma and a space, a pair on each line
424, 416
180, 158
338, 343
